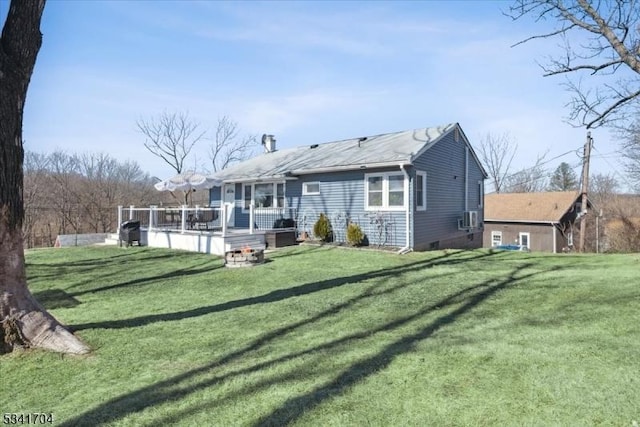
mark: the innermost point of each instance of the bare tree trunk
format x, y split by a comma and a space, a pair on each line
23, 320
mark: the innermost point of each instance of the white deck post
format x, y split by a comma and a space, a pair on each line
183, 225
153, 216
225, 208
119, 218
131, 208
251, 217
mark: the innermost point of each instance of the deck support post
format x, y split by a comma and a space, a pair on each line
119, 218
251, 218
153, 216
225, 218
183, 219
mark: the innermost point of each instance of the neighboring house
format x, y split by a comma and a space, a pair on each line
418, 189
536, 221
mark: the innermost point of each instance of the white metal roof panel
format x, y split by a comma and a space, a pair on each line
377, 150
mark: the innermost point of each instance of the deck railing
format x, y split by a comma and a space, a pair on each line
273, 218
381, 229
197, 218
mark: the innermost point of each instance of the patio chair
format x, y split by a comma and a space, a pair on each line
203, 220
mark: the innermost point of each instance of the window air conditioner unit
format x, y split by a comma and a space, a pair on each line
469, 219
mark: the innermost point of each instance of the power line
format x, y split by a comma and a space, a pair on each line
613, 156
615, 171
544, 172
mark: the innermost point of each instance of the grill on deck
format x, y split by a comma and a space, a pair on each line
130, 232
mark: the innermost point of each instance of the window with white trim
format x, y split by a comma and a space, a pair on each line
421, 191
480, 193
247, 194
385, 191
311, 188
496, 238
374, 191
263, 195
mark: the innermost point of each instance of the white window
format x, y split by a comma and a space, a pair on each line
421, 191
263, 195
247, 192
496, 238
385, 191
311, 188
524, 239
374, 192
280, 194
396, 190
480, 193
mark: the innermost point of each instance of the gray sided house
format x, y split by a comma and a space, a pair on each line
418, 189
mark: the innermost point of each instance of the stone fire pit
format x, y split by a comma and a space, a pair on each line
245, 257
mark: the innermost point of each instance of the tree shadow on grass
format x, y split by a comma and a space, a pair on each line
283, 294
291, 251
182, 385
205, 267
55, 298
42, 271
295, 407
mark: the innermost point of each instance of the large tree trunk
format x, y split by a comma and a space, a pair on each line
24, 322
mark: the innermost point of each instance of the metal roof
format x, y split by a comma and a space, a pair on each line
365, 152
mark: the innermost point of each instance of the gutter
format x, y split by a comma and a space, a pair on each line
466, 178
272, 178
363, 166
521, 221
291, 175
407, 247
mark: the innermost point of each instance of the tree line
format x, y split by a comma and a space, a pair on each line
66, 193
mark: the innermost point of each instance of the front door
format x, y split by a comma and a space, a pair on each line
230, 199
524, 240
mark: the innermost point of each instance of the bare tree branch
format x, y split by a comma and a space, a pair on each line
631, 150
543, 36
496, 153
595, 68
228, 147
171, 137
529, 180
612, 46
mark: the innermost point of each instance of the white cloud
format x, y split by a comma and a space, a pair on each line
282, 113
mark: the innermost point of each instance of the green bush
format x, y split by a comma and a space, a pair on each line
322, 228
355, 236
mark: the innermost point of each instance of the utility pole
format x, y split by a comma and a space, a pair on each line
585, 189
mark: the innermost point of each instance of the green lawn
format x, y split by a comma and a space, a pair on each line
331, 336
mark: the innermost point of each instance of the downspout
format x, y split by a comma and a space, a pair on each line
553, 227
407, 247
466, 178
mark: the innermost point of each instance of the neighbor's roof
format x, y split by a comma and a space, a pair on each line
528, 207
371, 151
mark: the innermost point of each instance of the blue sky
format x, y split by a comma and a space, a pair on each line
307, 72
